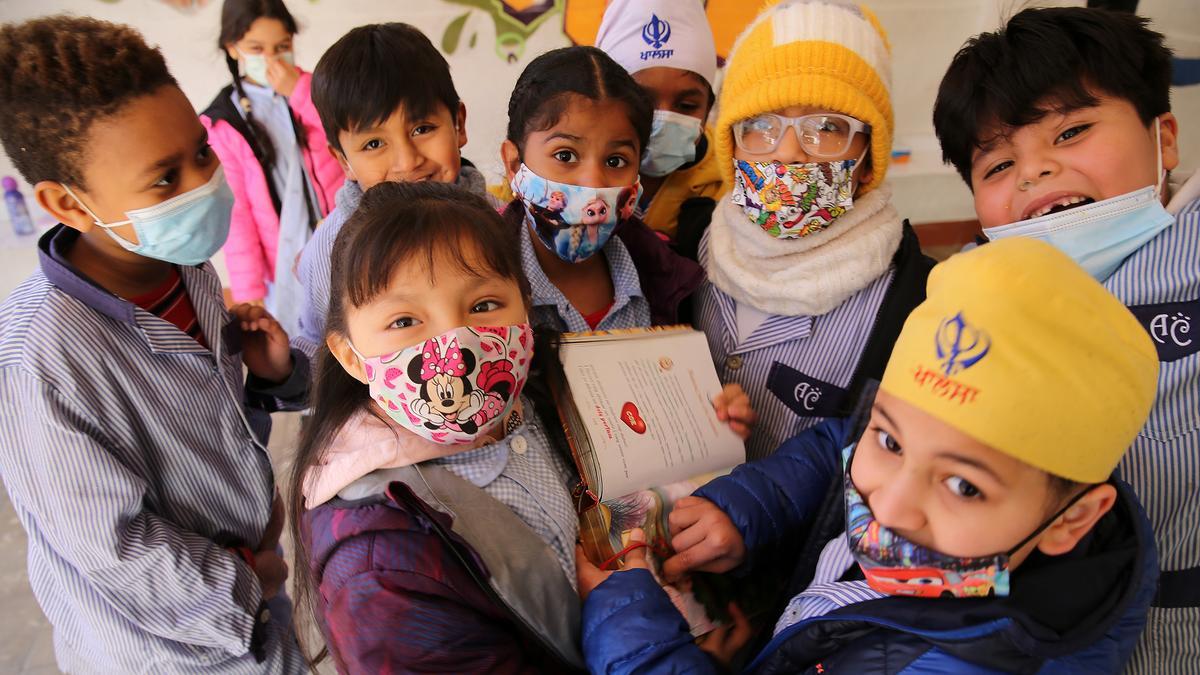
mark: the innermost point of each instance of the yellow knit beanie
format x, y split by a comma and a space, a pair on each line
1021, 349
810, 52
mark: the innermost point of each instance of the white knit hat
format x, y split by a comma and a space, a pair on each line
641, 34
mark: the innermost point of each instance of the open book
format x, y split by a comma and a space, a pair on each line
637, 410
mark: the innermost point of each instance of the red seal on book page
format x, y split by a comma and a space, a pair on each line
631, 416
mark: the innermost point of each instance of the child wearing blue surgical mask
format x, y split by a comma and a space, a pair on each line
132, 442
577, 127
1061, 125
677, 68
811, 270
266, 131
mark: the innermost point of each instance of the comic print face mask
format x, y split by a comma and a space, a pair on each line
573, 221
789, 201
455, 387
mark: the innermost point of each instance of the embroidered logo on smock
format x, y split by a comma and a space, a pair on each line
1170, 326
805, 395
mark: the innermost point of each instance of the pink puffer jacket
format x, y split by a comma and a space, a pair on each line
254, 230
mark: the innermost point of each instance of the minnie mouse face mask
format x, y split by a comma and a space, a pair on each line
455, 387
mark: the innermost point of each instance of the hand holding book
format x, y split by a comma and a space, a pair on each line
648, 423
704, 540
733, 407
589, 575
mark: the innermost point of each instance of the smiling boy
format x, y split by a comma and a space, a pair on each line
1061, 125
385, 122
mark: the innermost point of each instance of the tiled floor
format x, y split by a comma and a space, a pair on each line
26, 646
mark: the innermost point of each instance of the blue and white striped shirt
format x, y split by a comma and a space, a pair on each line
795, 369
826, 593
1163, 465
523, 472
128, 451
552, 310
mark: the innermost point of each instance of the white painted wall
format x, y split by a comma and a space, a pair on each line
925, 34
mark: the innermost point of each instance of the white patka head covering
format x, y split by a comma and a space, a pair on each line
641, 34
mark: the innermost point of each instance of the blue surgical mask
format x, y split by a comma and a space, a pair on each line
255, 66
1101, 235
672, 143
186, 229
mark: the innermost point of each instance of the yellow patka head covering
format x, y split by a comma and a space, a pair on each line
810, 52
1021, 349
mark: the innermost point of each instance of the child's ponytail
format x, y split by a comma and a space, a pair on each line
236, 18
340, 397
260, 142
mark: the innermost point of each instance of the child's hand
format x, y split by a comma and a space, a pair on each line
265, 348
704, 539
725, 642
282, 76
271, 571
589, 576
733, 406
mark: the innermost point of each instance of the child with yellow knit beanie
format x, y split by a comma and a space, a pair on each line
967, 519
811, 270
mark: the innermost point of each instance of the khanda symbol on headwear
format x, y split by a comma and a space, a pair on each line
657, 32
959, 345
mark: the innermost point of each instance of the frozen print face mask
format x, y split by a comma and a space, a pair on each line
573, 221
455, 387
793, 200
895, 565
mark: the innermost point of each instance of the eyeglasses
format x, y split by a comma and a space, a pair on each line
821, 135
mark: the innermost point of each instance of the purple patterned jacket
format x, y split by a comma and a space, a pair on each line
400, 592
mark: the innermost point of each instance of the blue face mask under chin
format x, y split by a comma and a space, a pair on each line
1101, 235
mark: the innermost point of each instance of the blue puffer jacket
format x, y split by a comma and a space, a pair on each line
1077, 613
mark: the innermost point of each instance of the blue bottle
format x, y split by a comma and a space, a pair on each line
17, 213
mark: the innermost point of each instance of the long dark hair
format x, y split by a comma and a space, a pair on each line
541, 95
236, 18
396, 224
